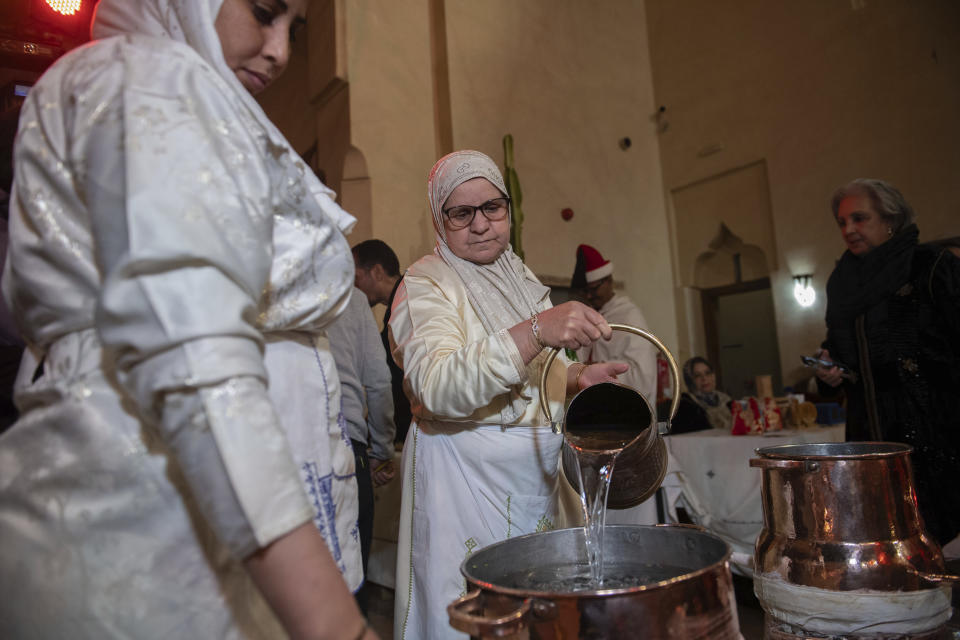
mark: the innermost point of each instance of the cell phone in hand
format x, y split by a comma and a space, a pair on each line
820, 363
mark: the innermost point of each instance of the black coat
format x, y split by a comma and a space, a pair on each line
690, 416
893, 316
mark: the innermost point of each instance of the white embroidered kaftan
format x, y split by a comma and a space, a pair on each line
142, 213
468, 480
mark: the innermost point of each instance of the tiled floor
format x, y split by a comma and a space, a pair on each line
380, 610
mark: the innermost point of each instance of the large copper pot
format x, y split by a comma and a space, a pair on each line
688, 596
843, 551
843, 516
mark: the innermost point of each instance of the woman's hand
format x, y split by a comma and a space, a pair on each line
581, 376
570, 325
830, 376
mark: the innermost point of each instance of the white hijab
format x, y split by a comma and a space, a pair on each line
192, 23
501, 293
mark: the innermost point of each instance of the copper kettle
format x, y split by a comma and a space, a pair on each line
642, 464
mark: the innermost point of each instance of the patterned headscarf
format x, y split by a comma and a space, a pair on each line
192, 23
501, 293
713, 397
453, 170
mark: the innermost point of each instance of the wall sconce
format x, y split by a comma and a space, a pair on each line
802, 290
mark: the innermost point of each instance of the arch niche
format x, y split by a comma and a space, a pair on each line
725, 251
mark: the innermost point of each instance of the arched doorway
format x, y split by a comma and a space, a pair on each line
738, 315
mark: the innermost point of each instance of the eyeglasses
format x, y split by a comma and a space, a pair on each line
462, 216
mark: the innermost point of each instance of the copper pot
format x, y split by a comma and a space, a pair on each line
843, 516
687, 594
642, 464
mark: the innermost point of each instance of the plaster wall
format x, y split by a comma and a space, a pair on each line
392, 116
824, 92
569, 82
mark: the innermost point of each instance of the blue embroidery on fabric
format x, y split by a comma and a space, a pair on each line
324, 495
342, 422
320, 490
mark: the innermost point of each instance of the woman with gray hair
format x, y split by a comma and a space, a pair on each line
893, 316
469, 327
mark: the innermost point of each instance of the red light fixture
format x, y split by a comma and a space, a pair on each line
64, 22
65, 7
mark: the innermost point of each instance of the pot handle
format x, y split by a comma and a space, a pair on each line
674, 374
464, 617
799, 465
937, 578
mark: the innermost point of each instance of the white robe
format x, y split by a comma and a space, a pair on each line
637, 352
468, 480
149, 457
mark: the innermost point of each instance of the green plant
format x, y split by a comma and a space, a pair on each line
515, 194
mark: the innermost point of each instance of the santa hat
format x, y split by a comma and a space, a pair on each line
591, 266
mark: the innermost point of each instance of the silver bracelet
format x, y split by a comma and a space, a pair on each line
535, 326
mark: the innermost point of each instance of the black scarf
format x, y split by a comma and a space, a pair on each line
861, 282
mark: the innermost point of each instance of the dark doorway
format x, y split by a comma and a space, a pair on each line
741, 335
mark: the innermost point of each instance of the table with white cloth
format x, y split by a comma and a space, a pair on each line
709, 474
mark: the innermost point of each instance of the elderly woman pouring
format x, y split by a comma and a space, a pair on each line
469, 325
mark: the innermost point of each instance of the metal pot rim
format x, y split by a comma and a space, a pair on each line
554, 595
809, 451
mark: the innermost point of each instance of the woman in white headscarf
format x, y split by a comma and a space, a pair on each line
470, 324
161, 230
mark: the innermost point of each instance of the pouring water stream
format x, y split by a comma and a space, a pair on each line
601, 424
596, 453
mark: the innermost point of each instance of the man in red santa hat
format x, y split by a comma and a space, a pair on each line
593, 275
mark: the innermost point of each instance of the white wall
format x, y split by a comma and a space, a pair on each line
568, 82
391, 113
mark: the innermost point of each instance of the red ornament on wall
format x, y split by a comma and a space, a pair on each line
567, 213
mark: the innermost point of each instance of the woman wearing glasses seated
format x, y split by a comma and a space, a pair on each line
702, 406
469, 327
